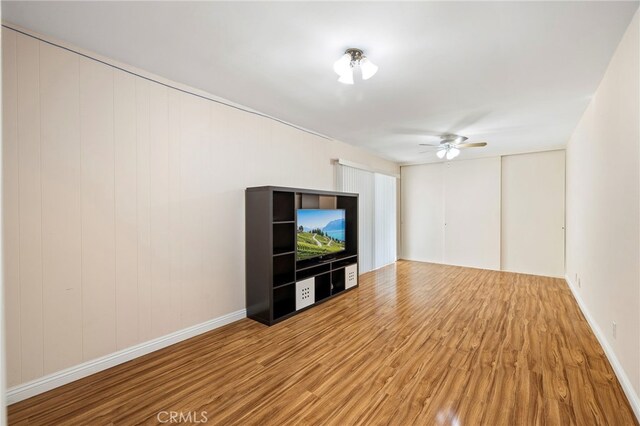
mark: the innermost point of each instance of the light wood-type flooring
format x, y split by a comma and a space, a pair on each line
416, 343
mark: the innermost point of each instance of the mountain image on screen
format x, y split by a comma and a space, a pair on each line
320, 232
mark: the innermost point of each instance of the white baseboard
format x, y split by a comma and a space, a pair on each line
54, 380
627, 387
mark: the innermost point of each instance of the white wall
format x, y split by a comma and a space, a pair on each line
453, 213
533, 213
603, 213
124, 203
472, 213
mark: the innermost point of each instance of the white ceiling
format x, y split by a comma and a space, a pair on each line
515, 74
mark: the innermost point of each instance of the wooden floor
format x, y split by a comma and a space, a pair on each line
417, 343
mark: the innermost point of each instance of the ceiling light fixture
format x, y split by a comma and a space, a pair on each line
450, 146
448, 150
347, 62
452, 153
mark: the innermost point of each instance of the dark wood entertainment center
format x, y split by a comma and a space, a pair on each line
277, 285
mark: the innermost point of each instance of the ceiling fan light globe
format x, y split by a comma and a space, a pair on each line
346, 78
342, 65
368, 68
452, 153
441, 153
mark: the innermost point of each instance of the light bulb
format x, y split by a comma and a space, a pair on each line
368, 68
342, 65
441, 153
347, 77
452, 153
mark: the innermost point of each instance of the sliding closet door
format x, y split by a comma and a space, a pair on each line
472, 213
361, 182
422, 212
533, 213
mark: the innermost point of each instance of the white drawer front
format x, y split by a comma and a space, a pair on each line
305, 293
351, 275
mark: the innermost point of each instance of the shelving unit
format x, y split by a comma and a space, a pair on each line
276, 282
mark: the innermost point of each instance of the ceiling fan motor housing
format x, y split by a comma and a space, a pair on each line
453, 139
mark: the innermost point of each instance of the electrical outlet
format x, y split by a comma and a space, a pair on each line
614, 329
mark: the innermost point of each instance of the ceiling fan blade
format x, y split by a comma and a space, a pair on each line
429, 144
471, 145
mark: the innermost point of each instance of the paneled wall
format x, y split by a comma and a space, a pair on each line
124, 204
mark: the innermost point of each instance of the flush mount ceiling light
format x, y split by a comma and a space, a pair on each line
351, 59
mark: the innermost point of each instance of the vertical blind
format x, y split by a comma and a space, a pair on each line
385, 225
376, 214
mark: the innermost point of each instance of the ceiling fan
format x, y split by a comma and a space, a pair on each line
450, 145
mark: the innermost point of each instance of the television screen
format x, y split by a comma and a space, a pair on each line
319, 232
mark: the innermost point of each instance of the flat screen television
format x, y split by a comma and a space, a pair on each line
319, 232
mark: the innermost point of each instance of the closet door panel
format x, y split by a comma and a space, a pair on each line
472, 213
533, 213
422, 200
